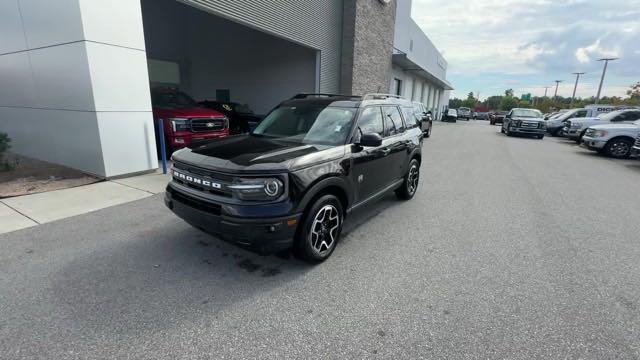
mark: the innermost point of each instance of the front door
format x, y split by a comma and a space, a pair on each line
371, 165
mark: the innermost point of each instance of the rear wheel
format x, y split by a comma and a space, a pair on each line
619, 148
410, 183
320, 230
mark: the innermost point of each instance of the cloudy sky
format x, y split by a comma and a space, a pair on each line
492, 45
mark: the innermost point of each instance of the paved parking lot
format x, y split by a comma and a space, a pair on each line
513, 248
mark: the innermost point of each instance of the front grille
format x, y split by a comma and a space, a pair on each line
222, 179
637, 142
528, 124
207, 207
208, 124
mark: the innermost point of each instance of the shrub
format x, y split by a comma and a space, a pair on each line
5, 145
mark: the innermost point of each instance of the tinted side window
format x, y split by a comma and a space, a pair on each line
392, 120
371, 120
581, 113
410, 117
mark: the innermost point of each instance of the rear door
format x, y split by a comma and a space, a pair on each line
395, 142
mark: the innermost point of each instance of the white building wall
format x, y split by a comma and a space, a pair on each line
69, 71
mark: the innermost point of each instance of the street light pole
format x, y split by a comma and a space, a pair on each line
555, 95
604, 71
575, 87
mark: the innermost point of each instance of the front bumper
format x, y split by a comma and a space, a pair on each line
572, 133
531, 131
592, 143
264, 235
635, 152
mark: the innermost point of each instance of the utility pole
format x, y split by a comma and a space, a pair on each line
555, 95
545, 91
575, 87
604, 71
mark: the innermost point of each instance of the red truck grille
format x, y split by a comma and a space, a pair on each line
208, 124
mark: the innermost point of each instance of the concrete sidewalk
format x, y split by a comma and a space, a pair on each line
30, 210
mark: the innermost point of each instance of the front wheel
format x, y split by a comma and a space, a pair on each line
619, 148
410, 183
320, 230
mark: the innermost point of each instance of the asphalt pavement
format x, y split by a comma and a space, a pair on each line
513, 248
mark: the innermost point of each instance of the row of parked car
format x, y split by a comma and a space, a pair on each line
610, 130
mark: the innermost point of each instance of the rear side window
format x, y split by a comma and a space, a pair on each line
410, 117
392, 121
371, 120
581, 114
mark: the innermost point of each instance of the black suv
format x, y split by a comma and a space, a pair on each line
293, 180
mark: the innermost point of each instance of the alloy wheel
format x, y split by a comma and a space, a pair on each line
412, 180
324, 230
619, 148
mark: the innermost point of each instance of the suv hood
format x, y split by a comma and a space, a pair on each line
252, 154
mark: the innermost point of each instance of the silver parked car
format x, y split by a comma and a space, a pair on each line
525, 122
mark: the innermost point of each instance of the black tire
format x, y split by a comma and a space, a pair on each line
619, 148
508, 132
502, 129
540, 137
491, 122
316, 229
409, 186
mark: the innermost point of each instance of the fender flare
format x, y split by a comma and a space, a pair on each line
321, 185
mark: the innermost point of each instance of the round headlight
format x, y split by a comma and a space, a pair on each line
272, 187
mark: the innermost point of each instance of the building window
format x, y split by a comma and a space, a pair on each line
397, 87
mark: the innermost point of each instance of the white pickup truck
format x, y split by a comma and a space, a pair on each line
576, 127
615, 140
556, 124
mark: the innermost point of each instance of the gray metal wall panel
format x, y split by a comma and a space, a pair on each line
313, 23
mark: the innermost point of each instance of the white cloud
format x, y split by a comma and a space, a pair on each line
489, 42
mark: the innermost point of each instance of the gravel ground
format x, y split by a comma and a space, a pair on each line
513, 248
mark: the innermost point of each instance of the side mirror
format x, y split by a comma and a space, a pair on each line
370, 140
508, 116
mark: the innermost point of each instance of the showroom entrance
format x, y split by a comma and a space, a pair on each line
210, 57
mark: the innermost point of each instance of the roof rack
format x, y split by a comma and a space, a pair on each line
382, 96
308, 95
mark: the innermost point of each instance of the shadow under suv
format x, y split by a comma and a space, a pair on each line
293, 180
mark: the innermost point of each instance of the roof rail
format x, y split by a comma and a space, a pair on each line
308, 95
382, 96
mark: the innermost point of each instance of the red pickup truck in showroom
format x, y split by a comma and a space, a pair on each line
186, 124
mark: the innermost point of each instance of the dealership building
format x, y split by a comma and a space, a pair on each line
75, 74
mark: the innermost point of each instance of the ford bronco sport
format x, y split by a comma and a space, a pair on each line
292, 182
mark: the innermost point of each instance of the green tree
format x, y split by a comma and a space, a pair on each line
470, 101
5, 145
508, 103
455, 103
508, 93
493, 102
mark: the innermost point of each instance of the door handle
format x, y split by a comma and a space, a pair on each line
385, 151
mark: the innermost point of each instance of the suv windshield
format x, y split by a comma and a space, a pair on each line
526, 113
172, 99
308, 124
